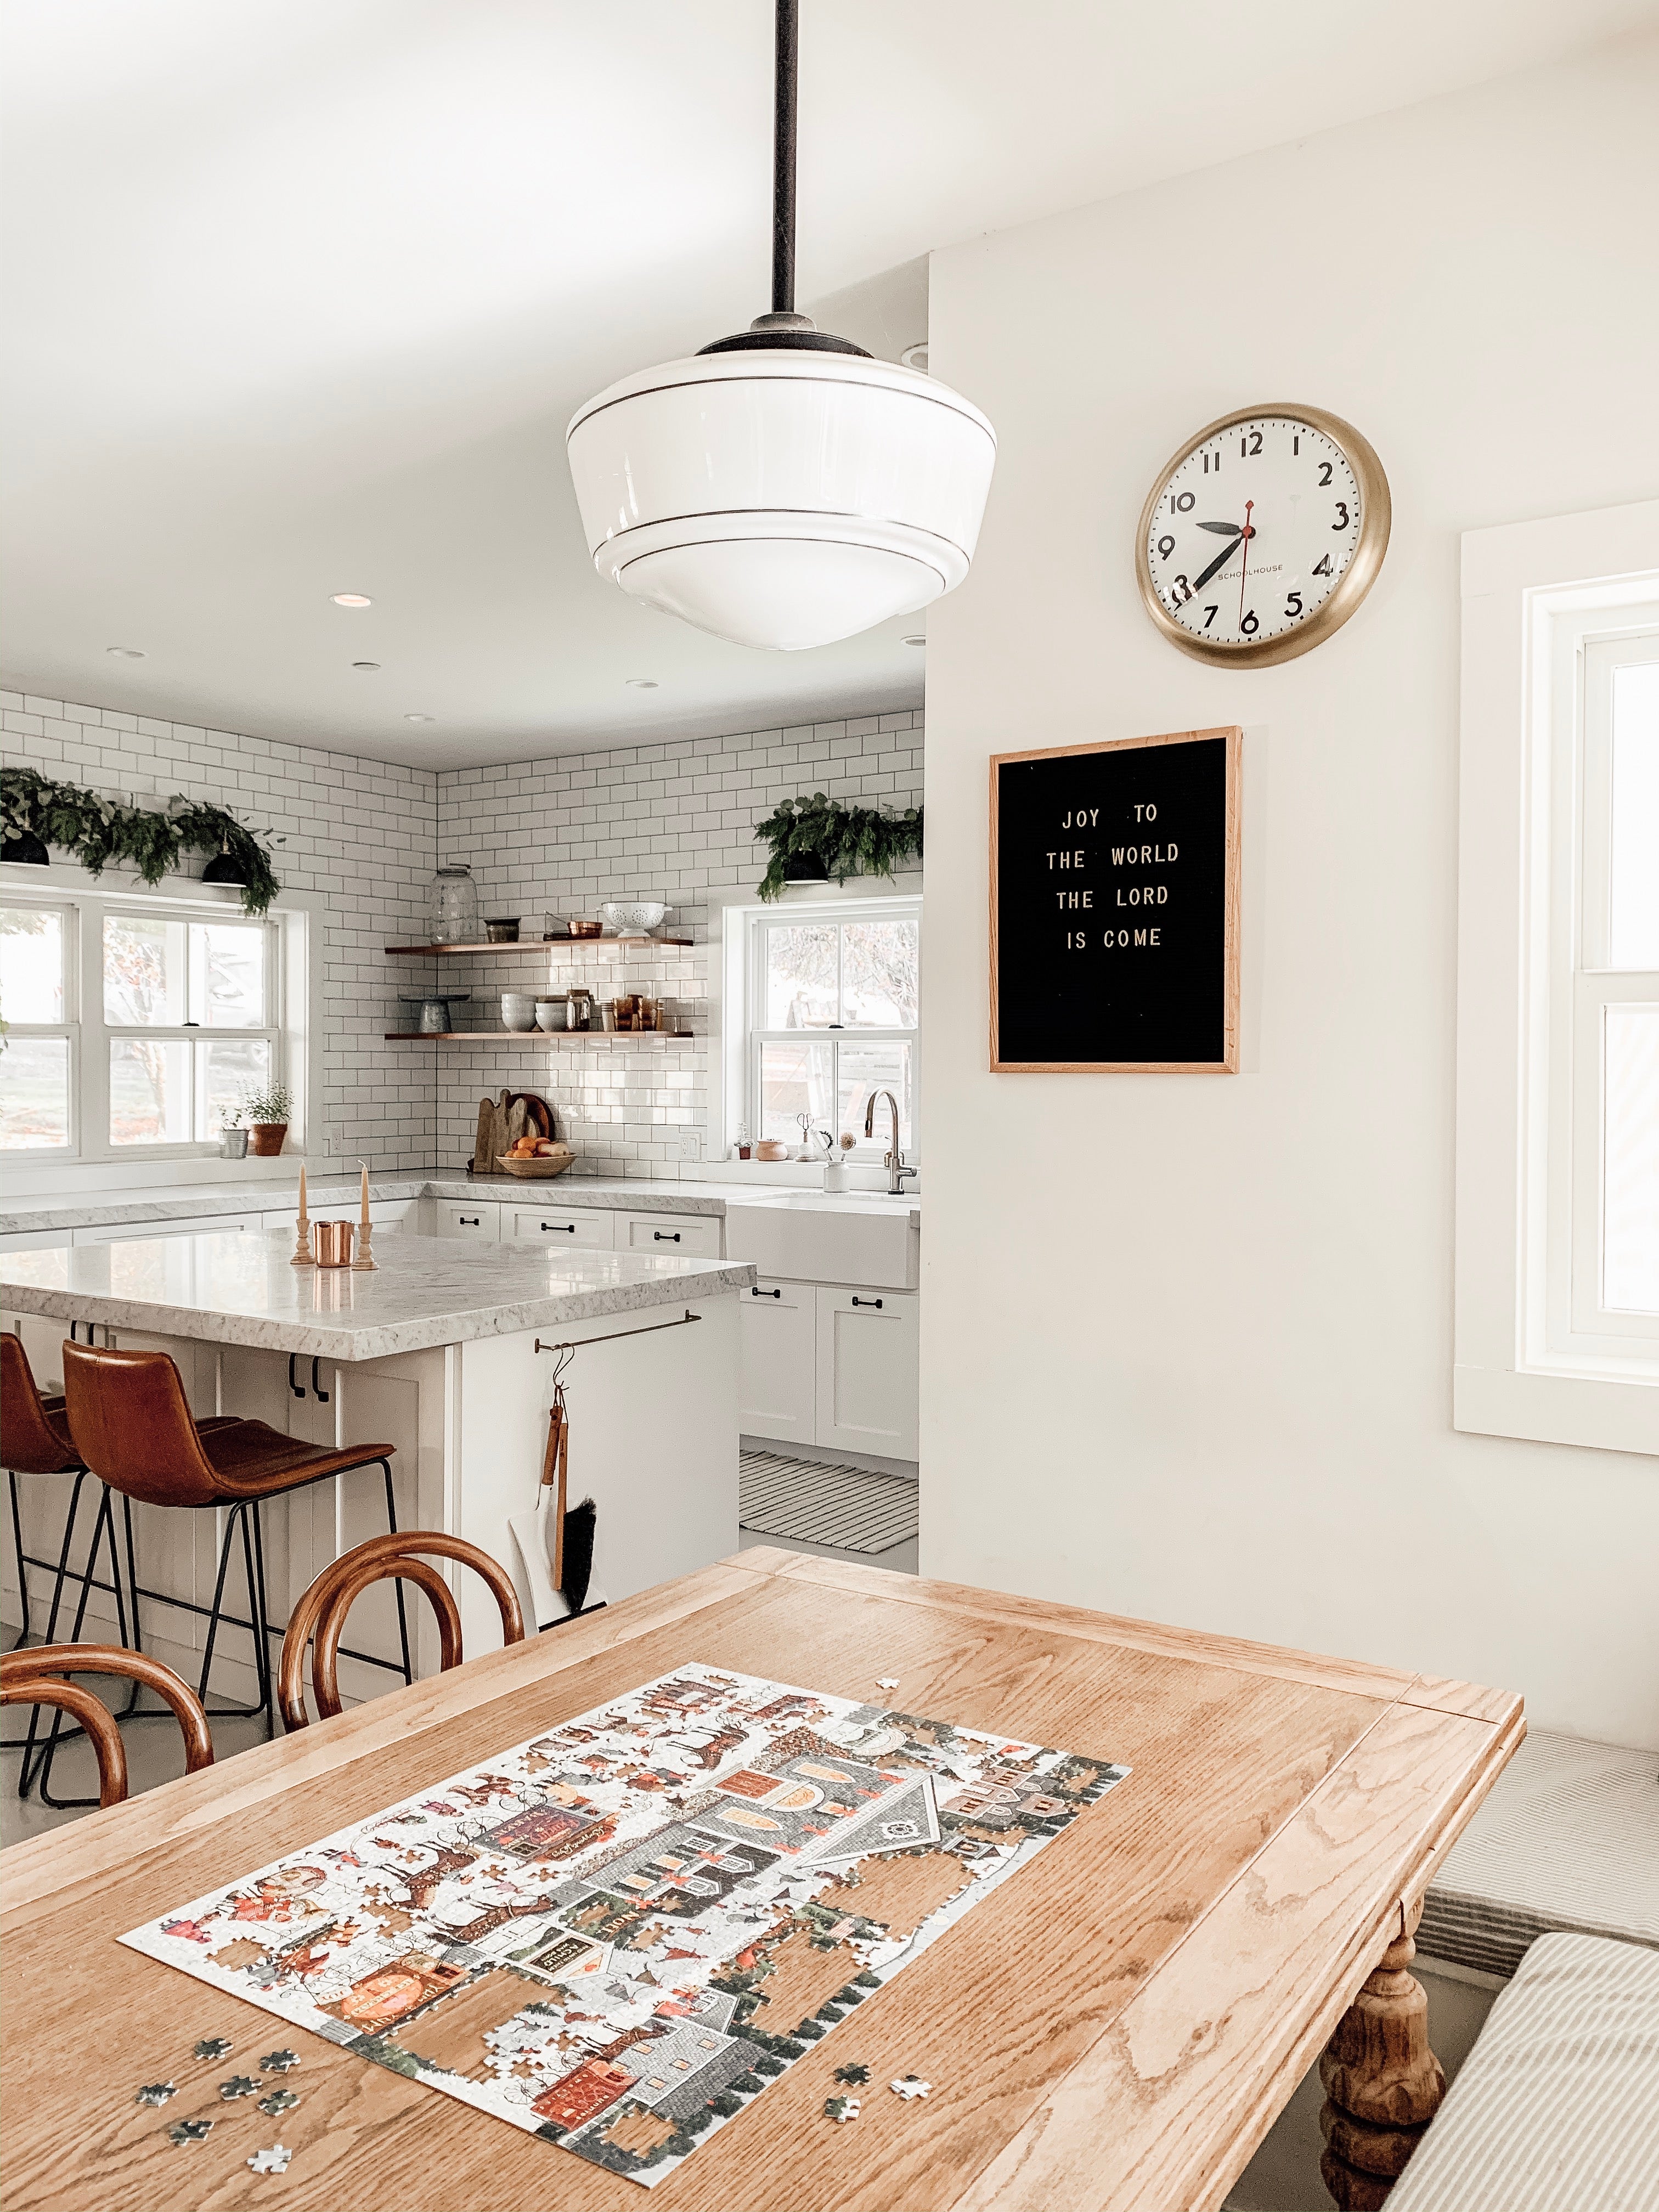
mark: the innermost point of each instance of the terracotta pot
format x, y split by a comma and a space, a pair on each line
265, 1139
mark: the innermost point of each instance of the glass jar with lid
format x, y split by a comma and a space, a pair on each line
451, 908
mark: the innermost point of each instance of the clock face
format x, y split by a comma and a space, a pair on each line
1264, 536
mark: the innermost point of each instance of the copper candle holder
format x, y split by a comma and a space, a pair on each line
331, 1242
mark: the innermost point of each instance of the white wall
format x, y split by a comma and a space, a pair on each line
1187, 1340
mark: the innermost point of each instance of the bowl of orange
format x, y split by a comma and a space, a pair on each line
535, 1156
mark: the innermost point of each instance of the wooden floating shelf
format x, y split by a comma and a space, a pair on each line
534, 1037
524, 945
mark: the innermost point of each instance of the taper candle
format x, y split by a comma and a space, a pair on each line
302, 1187
363, 1164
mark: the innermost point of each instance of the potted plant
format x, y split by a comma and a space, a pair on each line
268, 1107
816, 838
233, 1137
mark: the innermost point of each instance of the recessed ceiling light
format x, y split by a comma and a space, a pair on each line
351, 599
125, 652
915, 357
916, 637
420, 717
369, 665
640, 683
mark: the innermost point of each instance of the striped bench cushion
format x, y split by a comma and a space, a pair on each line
1567, 1842
1556, 2108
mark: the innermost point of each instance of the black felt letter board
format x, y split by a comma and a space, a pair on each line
1115, 876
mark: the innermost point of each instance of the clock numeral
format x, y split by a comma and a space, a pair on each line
1210, 614
1296, 444
1294, 606
1341, 522
1322, 567
1166, 547
1180, 502
1184, 590
1208, 458
1250, 445
1324, 476
1249, 625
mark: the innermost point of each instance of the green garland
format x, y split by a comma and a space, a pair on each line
849, 840
96, 831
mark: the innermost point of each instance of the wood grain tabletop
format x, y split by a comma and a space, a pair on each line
1115, 2028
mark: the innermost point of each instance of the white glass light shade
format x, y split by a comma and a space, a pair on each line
781, 498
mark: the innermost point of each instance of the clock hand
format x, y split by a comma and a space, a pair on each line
1224, 529
1244, 565
1219, 562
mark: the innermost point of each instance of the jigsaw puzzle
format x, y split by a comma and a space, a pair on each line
617, 1933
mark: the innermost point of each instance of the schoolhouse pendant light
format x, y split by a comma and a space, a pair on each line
782, 488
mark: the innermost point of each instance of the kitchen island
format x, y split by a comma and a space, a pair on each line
434, 1352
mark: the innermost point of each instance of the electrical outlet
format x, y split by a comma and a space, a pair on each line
690, 1143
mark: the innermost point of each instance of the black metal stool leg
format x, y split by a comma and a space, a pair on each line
27, 1744
22, 1570
258, 1605
392, 1530
103, 1525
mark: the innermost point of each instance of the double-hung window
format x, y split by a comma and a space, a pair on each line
133, 1026
1558, 1046
834, 999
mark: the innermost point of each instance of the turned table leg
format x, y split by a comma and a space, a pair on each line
1383, 2083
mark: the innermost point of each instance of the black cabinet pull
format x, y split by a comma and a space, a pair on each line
565, 1228
298, 1388
876, 1303
470, 1220
321, 1395
666, 1236
765, 1294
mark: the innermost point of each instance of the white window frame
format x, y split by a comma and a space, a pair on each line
291, 1023
734, 1061
1535, 1355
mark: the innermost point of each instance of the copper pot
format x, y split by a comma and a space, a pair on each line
330, 1243
265, 1139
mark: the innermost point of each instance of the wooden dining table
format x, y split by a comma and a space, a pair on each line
1116, 2027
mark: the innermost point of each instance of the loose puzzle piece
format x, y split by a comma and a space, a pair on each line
912, 2085
155, 2093
274, 2160
887, 1681
240, 2085
213, 2046
617, 1935
842, 2108
189, 2131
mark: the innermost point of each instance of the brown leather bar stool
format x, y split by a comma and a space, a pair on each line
133, 1425
40, 1677
321, 1613
34, 1439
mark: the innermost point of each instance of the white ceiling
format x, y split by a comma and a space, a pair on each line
301, 294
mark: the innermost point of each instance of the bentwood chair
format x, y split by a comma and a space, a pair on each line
133, 1425
39, 1677
321, 1613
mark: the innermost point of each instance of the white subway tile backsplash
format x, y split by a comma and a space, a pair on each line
674, 820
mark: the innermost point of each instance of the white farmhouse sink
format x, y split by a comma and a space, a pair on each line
808, 1237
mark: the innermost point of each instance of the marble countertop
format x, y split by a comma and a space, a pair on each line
326, 1194
230, 1287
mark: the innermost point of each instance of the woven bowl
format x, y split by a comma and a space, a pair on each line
548, 1163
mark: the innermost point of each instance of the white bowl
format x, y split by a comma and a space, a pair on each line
632, 917
518, 1011
552, 1013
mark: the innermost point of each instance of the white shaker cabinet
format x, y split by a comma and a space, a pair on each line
680, 1236
777, 1361
481, 1219
560, 1228
867, 1365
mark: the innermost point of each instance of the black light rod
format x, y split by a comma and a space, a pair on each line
783, 160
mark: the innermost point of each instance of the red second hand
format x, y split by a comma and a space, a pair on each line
1244, 568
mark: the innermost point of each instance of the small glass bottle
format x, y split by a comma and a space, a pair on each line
452, 908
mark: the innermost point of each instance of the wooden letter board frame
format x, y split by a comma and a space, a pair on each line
1228, 949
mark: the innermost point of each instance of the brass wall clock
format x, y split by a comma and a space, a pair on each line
1262, 536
